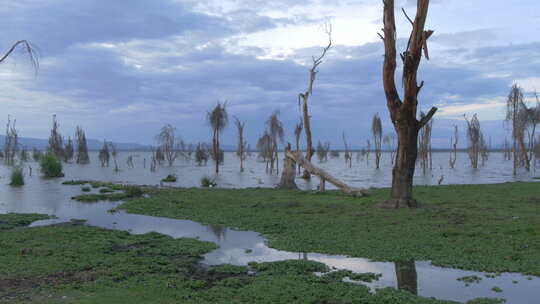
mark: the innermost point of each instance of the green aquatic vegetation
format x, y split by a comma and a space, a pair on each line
14, 220
169, 179
496, 289
75, 182
491, 228
341, 274
81, 264
86, 189
106, 190
51, 166
17, 177
92, 198
470, 279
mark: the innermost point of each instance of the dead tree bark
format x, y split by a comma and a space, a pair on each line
289, 172
303, 98
323, 175
403, 111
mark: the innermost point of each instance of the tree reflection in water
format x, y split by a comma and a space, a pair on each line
218, 231
406, 276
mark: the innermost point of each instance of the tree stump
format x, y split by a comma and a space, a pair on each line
289, 172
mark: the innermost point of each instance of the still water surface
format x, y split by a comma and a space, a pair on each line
241, 247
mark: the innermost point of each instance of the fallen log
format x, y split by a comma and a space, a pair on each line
323, 175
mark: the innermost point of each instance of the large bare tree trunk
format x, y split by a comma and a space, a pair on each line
407, 278
323, 175
403, 111
289, 172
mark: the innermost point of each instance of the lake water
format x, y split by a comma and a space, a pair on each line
240, 247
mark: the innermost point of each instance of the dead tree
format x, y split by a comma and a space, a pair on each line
516, 114
114, 153
303, 98
453, 147
474, 138
276, 133
424, 150
322, 151
104, 155
289, 172
348, 153
368, 150
297, 133
11, 144
82, 147
201, 154
56, 145
169, 144
376, 130
403, 111
323, 175
218, 120
390, 142
69, 151
265, 148
28, 48
241, 147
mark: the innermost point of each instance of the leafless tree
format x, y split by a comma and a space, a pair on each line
322, 151
56, 142
114, 153
36, 155
297, 133
23, 154
129, 162
348, 153
516, 114
218, 120
241, 147
507, 150
82, 148
169, 144
303, 98
104, 155
403, 112
265, 148
69, 151
368, 150
276, 133
201, 154
11, 144
424, 150
474, 139
390, 143
28, 48
453, 146
376, 130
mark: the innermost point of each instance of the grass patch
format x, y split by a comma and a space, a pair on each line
86, 189
492, 228
75, 182
83, 264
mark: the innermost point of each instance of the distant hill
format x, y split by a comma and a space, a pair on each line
93, 144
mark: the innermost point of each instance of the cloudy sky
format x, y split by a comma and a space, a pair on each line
123, 68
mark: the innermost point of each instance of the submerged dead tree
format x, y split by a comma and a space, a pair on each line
170, 145
69, 151
265, 148
82, 147
515, 114
11, 143
403, 111
424, 149
104, 155
322, 151
376, 130
323, 175
297, 133
453, 147
275, 131
475, 140
390, 143
218, 120
348, 153
303, 98
242, 143
56, 142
